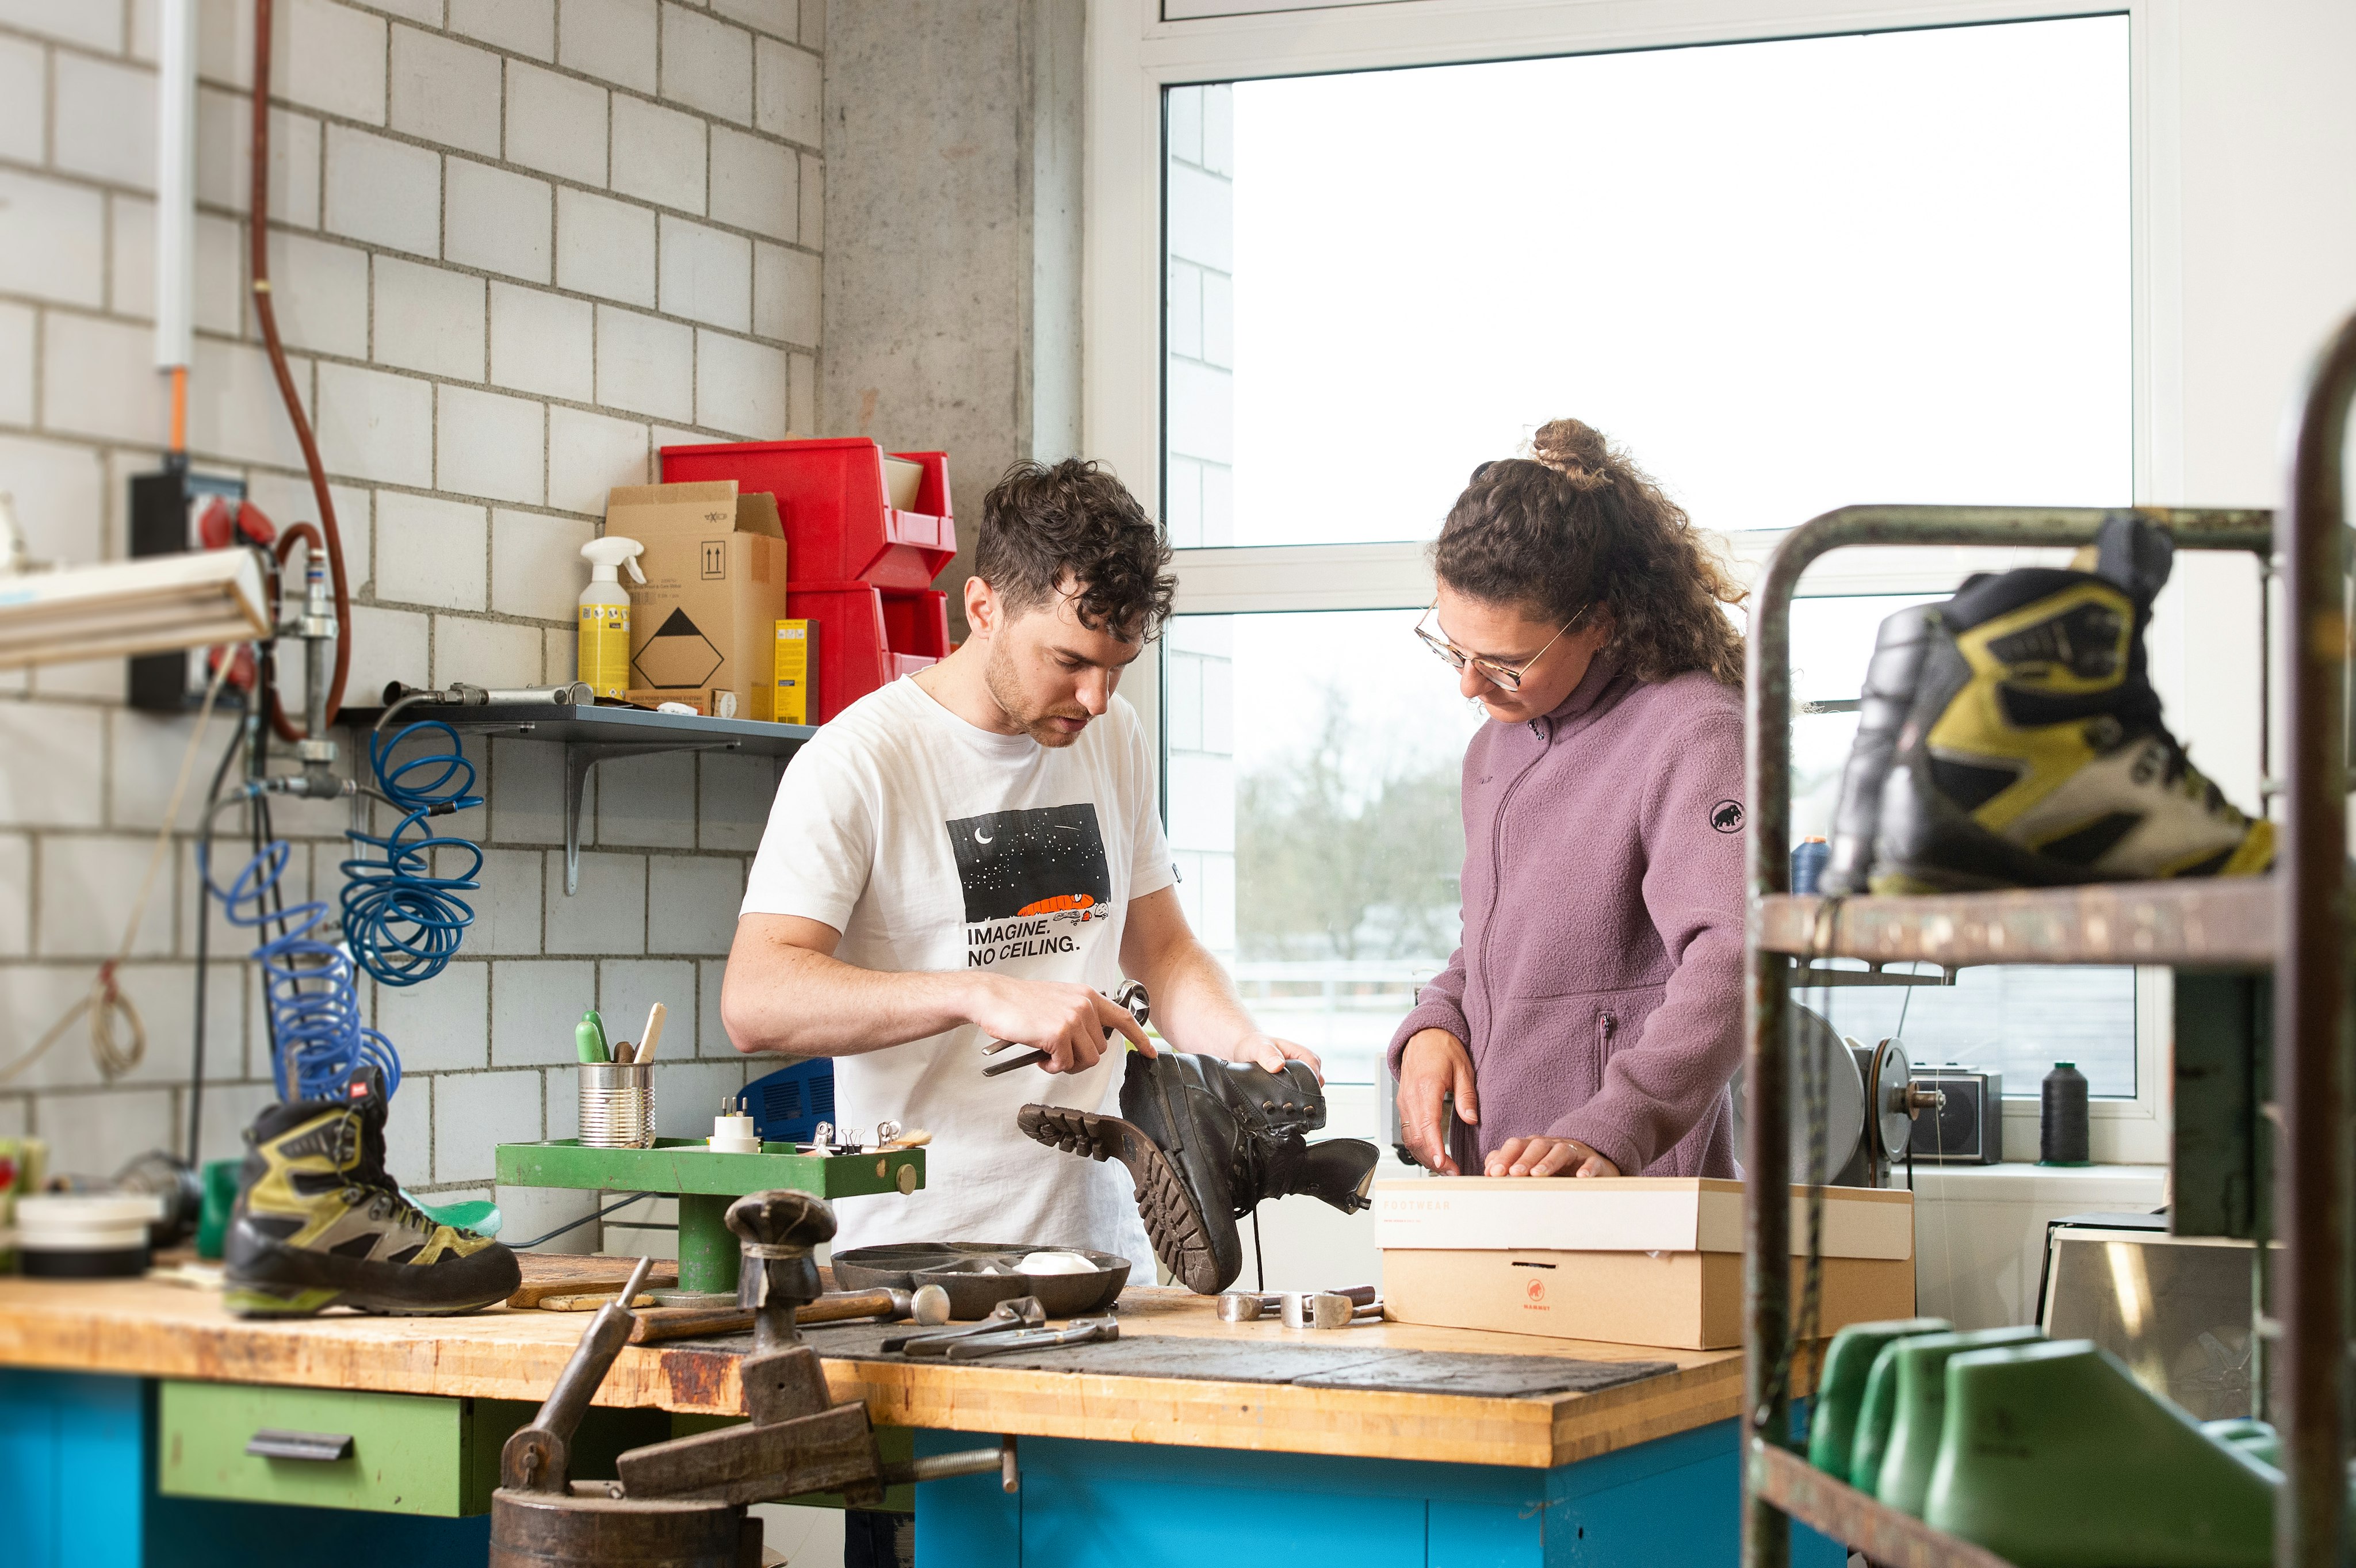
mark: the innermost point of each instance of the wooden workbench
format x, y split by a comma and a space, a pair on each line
1163, 1470
151, 1330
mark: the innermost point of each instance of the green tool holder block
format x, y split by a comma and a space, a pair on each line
705, 1183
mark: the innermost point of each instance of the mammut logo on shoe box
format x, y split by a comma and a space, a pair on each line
1034, 882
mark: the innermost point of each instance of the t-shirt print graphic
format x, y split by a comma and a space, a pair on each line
1035, 882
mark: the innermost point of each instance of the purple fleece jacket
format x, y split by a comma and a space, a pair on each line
1599, 984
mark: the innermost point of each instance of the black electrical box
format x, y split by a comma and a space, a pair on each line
164, 522
1966, 1127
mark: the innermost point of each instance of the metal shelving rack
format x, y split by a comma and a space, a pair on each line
2295, 921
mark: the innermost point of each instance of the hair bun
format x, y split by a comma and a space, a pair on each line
1569, 446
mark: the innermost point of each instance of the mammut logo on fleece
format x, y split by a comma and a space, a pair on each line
1727, 816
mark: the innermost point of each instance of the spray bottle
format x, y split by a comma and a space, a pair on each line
604, 654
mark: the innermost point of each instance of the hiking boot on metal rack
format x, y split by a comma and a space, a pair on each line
319, 1223
1207, 1141
2010, 738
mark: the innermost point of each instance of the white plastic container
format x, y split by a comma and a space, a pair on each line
85, 1235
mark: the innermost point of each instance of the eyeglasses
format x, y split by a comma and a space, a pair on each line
1505, 677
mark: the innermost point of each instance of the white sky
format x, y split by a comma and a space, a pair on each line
1787, 276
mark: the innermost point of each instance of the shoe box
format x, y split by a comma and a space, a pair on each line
1633, 1260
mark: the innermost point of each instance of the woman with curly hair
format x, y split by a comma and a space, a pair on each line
1590, 1021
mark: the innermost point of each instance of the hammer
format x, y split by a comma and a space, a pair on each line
1301, 1309
685, 1322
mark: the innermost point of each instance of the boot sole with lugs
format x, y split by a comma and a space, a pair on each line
1173, 1222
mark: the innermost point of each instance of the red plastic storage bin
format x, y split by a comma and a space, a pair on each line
841, 525
868, 637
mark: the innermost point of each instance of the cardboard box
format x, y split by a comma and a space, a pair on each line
705, 617
1683, 1301
709, 700
1640, 1261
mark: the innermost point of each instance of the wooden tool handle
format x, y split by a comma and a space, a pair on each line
682, 1322
685, 1322
841, 1307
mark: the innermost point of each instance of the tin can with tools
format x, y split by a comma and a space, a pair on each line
617, 1105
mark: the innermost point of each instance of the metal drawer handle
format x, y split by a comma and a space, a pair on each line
320, 1447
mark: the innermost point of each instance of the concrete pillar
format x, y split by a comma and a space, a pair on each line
953, 182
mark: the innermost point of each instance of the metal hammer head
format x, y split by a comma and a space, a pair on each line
1318, 1309
1246, 1306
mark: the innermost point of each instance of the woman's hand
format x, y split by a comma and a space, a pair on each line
1548, 1156
1434, 1064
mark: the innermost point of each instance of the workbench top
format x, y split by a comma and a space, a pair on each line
141, 1328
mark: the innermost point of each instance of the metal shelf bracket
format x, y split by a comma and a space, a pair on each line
580, 757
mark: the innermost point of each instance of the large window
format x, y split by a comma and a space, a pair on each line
1313, 770
1788, 276
1785, 275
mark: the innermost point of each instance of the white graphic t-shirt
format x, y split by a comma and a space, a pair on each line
931, 844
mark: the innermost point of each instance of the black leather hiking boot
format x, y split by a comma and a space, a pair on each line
319, 1223
1207, 1141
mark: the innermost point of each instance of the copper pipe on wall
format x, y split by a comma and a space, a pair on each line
266, 316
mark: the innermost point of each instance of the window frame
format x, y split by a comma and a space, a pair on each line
1134, 55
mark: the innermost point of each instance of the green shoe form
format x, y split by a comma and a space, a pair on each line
1905, 1407
2054, 1457
2254, 1438
1840, 1389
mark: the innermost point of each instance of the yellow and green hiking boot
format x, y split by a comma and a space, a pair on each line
2010, 738
319, 1223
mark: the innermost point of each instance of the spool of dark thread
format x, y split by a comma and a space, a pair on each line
1808, 859
2061, 1138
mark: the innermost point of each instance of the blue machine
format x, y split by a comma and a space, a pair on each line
789, 1104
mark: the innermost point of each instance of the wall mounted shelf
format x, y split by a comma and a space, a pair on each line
593, 735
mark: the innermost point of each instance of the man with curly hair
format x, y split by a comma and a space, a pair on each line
974, 853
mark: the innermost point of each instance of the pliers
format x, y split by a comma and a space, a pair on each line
1079, 1331
1130, 995
1007, 1318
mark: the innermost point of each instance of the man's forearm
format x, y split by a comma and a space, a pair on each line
807, 1003
1195, 1003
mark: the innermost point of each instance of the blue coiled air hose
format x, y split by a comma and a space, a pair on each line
401, 922
403, 915
307, 983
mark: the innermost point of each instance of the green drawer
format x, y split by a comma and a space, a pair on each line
409, 1452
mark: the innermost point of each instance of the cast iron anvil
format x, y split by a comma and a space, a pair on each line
687, 1497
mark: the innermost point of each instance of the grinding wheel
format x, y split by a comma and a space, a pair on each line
1809, 1036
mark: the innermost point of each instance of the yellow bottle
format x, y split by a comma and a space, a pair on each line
605, 655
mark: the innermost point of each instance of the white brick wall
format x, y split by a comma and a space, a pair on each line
499, 220
657, 154
506, 235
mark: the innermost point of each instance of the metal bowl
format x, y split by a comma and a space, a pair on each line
891, 1267
978, 1275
